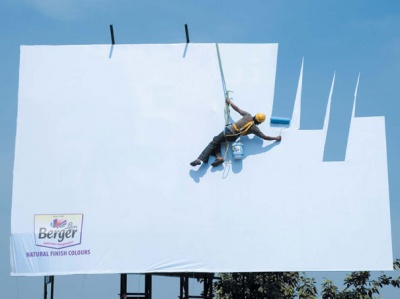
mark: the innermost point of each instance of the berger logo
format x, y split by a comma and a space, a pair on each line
58, 231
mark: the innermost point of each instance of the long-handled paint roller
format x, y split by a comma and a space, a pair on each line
281, 122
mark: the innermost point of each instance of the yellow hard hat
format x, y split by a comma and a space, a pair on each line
260, 117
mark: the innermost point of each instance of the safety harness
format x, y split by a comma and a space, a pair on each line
243, 130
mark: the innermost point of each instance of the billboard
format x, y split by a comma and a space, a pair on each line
102, 180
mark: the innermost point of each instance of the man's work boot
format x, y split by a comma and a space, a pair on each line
195, 162
217, 162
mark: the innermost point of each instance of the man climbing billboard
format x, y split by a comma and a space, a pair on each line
245, 126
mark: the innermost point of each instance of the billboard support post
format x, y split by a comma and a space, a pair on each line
49, 280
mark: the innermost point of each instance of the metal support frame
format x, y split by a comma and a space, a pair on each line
205, 278
147, 294
208, 286
49, 280
184, 287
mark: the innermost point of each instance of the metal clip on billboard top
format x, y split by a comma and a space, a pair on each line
187, 34
112, 34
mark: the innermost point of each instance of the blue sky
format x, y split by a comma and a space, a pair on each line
346, 37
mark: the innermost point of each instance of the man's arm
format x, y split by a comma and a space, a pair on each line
256, 131
236, 108
277, 138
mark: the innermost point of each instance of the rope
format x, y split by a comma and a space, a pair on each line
83, 284
193, 284
226, 95
138, 288
226, 92
17, 288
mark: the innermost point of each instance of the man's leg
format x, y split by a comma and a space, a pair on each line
224, 137
217, 153
213, 148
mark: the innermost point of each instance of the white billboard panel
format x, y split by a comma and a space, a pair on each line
102, 181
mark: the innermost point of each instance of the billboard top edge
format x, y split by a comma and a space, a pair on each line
140, 44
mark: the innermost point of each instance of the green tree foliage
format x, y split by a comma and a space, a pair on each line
290, 285
283, 285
